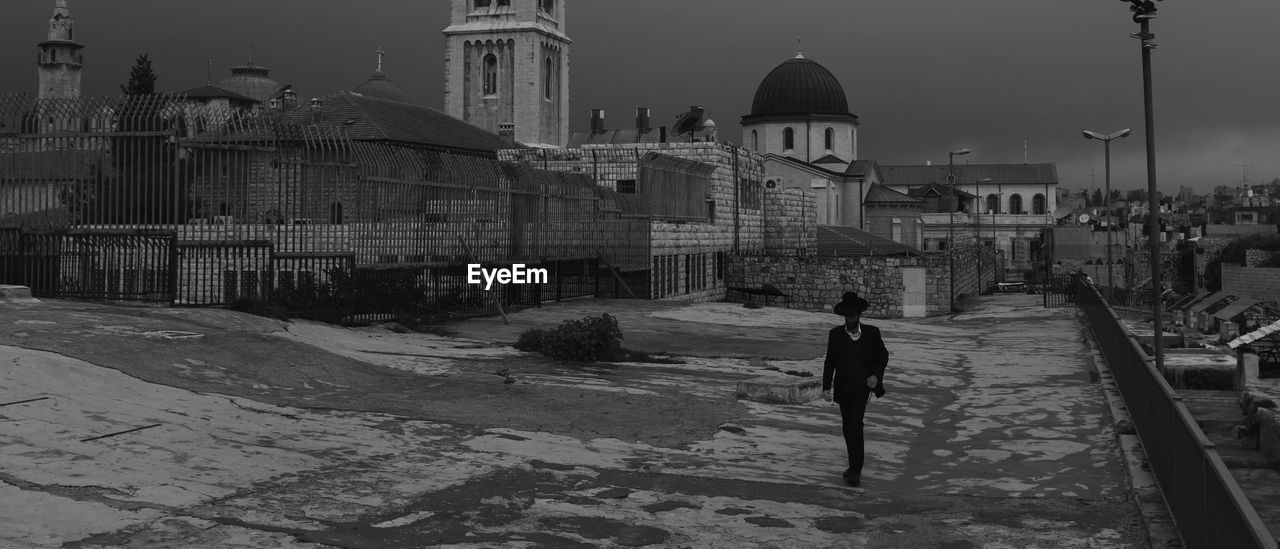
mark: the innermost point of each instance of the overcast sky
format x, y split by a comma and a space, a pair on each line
924, 76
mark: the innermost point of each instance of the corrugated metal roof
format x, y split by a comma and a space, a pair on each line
861, 168
1265, 331
1207, 302
683, 165
1000, 174
1236, 307
613, 137
854, 242
210, 91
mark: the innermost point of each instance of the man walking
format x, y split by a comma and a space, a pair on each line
854, 368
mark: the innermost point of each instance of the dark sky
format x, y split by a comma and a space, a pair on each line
924, 76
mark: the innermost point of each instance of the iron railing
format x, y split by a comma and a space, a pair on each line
260, 210
1210, 509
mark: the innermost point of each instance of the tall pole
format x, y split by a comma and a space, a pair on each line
1106, 201
951, 223
1153, 216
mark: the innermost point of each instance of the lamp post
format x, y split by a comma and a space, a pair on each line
951, 222
977, 189
1143, 12
1106, 146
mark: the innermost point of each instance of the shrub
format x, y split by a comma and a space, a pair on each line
587, 340
531, 340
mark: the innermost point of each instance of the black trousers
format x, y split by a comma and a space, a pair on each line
852, 407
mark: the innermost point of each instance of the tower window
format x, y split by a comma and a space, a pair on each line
491, 74
788, 139
482, 3
1015, 204
503, 3
755, 141
548, 6
1037, 204
547, 80
830, 139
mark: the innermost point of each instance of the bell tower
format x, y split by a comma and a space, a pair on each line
60, 57
507, 62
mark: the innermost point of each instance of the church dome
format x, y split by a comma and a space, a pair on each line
799, 87
380, 86
252, 81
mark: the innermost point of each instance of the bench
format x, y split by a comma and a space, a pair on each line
766, 290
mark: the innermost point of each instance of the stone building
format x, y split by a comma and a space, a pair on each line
1004, 206
695, 204
60, 58
507, 62
801, 124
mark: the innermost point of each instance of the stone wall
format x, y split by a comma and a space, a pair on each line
790, 225
687, 256
816, 283
1254, 257
1256, 282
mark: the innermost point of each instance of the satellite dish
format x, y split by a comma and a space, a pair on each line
1084, 218
691, 121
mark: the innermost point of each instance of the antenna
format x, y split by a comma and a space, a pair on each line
208, 72
250, 54
1024, 151
799, 48
1244, 173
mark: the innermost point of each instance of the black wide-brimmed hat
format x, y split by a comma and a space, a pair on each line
851, 304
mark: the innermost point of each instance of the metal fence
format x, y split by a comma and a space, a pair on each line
127, 265
266, 211
1207, 503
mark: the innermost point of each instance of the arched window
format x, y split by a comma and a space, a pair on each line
755, 141
993, 203
830, 139
548, 6
547, 82
1037, 204
1015, 204
335, 213
788, 139
491, 74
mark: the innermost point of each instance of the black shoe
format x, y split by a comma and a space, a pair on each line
848, 472
854, 481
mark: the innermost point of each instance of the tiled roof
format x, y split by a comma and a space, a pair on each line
829, 159
372, 119
1000, 174
938, 189
380, 86
210, 91
853, 242
860, 168
878, 193
253, 81
1255, 335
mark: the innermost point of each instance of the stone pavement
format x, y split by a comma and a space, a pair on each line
222, 430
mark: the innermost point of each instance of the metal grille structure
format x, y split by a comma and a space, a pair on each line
300, 215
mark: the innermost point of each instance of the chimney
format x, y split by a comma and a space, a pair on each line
662, 134
290, 99
315, 110
507, 132
275, 104
597, 120
642, 119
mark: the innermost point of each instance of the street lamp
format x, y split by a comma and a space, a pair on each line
1106, 146
1143, 12
951, 223
977, 189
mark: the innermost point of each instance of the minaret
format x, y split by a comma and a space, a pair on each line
60, 57
507, 62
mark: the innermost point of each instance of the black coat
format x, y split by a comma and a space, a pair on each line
850, 362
